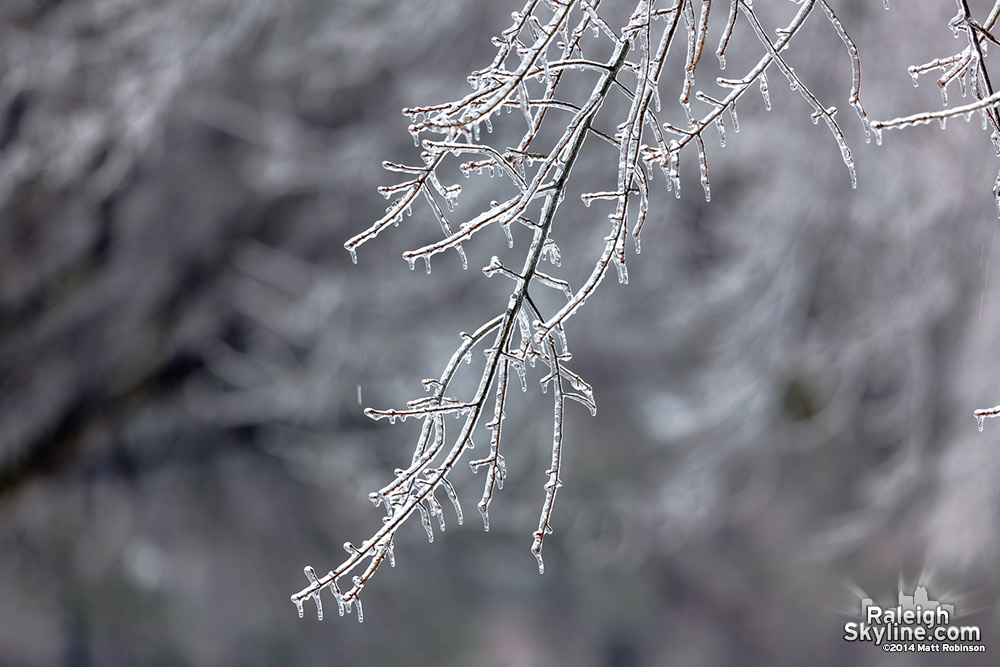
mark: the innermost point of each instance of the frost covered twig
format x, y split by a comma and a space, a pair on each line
968, 67
925, 117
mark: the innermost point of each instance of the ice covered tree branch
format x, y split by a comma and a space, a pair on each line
546, 40
968, 67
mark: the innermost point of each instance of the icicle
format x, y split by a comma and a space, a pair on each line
914, 75
425, 519
437, 511
981, 415
338, 597
522, 99
523, 327
427, 263
519, 369
721, 127
622, 271
411, 262
673, 169
361, 615
764, 92
561, 337
451, 195
722, 60
536, 549
732, 114
298, 602
450, 490
944, 96
703, 165
354, 255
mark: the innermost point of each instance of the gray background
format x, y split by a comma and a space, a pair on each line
785, 387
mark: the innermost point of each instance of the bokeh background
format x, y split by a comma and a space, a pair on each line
785, 386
